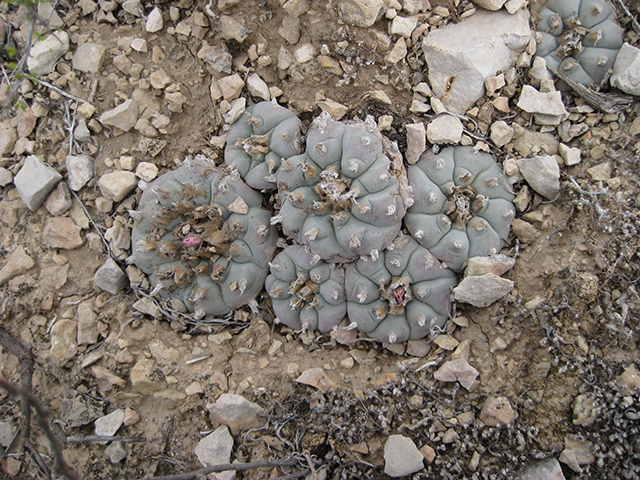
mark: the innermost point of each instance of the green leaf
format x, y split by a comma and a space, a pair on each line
11, 65
11, 51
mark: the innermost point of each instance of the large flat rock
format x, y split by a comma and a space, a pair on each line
461, 56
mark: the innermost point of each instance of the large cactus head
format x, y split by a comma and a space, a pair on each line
578, 37
345, 197
307, 293
462, 205
404, 294
262, 136
204, 234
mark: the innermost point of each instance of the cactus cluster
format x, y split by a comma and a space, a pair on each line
344, 197
578, 37
462, 205
202, 234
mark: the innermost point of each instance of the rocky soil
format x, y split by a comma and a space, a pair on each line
541, 383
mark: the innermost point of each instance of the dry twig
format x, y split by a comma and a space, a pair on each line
29, 400
605, 102
238, 467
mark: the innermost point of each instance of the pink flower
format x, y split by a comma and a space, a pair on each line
192, 242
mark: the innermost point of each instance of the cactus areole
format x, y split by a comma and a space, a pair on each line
202, 236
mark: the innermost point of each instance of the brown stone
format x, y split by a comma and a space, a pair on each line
497, 411
63, 340
19, 263
62, 232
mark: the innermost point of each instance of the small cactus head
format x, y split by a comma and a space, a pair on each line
259, 140
346, 195
578, 37
206, 247
306, 292
404, 294
462, 205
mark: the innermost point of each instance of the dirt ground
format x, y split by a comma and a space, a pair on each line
569, 326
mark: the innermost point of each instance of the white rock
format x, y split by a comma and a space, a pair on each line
361, 13
571, 156
116, 452
539, 72
513, 6
403, 26
542, 173
401, 456
333, 108
457, 370
497, 264
154, 21
490, 4
8, 137
461, 56
482, 290
109, 424
230, 29
88, 57
110, 277
35, 181
146, 171
626, 70
45, 53
215, 448
237, 109
81, 133
416, 142
444, 129
79, 170
304, 53
547, 103
117, 185
546, 469
257, 87
134, 7
501, 133
124, 116
237, 413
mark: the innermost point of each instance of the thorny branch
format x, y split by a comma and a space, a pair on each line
28, 400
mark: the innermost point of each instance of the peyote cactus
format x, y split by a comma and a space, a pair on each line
462, 205
264, 134
307, 293
346, 195
204, 235
404, 294
578, 37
